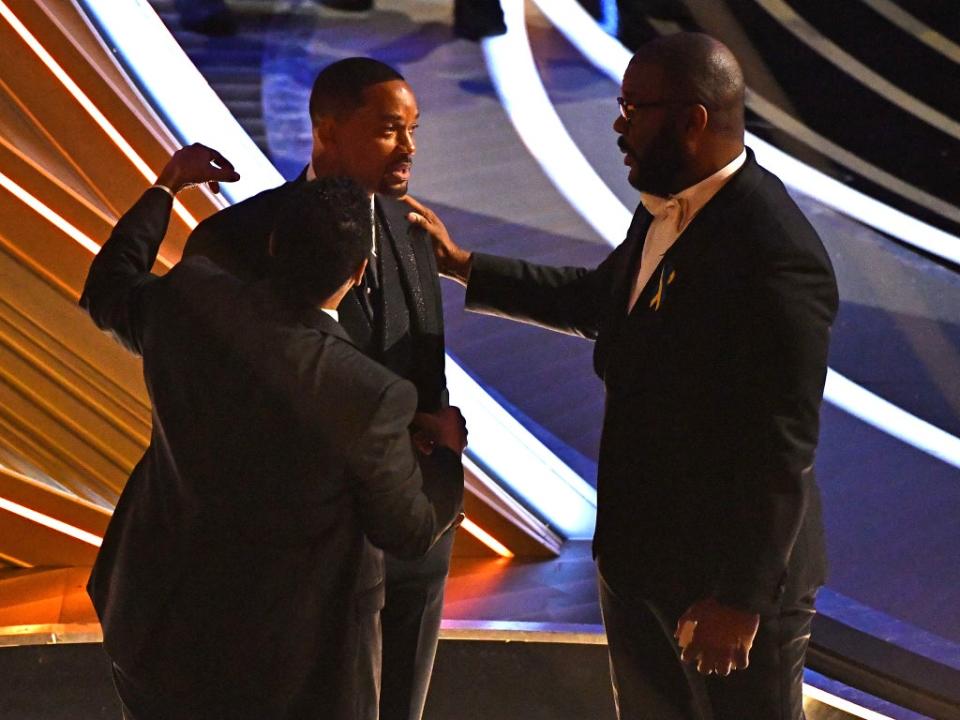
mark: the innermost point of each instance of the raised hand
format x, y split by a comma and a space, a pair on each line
452, 260
196, 164
721, 637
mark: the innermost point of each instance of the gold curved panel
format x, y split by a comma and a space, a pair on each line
78, 145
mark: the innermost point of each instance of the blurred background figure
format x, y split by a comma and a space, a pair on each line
208, 17
472, 19
477, 19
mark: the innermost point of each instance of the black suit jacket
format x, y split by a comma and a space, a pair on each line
407, 334
237, 240
235, 569
713, 386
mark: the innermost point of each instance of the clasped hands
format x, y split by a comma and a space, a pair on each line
716, 638
444, 428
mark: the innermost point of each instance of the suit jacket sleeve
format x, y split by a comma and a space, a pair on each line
783, 342
399, 511
237, 238
119, 279
565, 299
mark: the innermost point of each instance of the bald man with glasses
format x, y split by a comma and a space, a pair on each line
712, 323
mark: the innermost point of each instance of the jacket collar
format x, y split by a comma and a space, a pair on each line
695, 238
320, 321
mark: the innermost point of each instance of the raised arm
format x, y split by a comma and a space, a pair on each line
120, 275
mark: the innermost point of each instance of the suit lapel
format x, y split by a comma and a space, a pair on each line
626, 273
702, 233
415, 263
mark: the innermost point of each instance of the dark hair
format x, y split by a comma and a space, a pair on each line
321, 237
338, 88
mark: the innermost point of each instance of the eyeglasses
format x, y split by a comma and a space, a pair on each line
627, 109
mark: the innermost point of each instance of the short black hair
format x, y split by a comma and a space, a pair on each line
338, 88
321, 237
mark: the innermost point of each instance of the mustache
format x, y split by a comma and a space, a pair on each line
626, 149
407, 159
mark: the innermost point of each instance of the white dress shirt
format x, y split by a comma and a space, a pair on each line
671, 216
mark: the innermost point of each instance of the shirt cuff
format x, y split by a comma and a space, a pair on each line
167, 190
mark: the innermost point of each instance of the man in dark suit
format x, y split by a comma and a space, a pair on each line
711, 323
240, 575
364, 116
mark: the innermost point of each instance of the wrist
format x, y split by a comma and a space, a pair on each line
169, 181
458, 266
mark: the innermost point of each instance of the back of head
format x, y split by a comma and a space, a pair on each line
338, 88
698, 68
322, 238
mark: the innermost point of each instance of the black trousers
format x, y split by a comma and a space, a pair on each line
649, 681
410, 622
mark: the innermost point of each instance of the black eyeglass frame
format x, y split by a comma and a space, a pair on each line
628, 108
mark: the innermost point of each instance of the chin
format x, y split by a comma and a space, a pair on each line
395, 191
639, 182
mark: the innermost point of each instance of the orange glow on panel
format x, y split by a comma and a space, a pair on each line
52, 523
59, 222
486, 538
92, 110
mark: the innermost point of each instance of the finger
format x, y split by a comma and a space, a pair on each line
214, 187
424, 444
225, 174
741, 658
219, 168
418, 219
419, 207
711, 663
687, 617
685, 632
220, 161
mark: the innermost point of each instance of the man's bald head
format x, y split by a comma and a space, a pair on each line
697, 68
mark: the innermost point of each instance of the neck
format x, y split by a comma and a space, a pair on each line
323, 167
706, 165
333, 302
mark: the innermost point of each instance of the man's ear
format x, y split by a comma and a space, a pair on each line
698, 117
324, 132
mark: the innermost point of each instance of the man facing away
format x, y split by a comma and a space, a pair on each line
238, 577
364, 116
711, 323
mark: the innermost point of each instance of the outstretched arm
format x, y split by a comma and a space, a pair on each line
120, 273
565, 299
